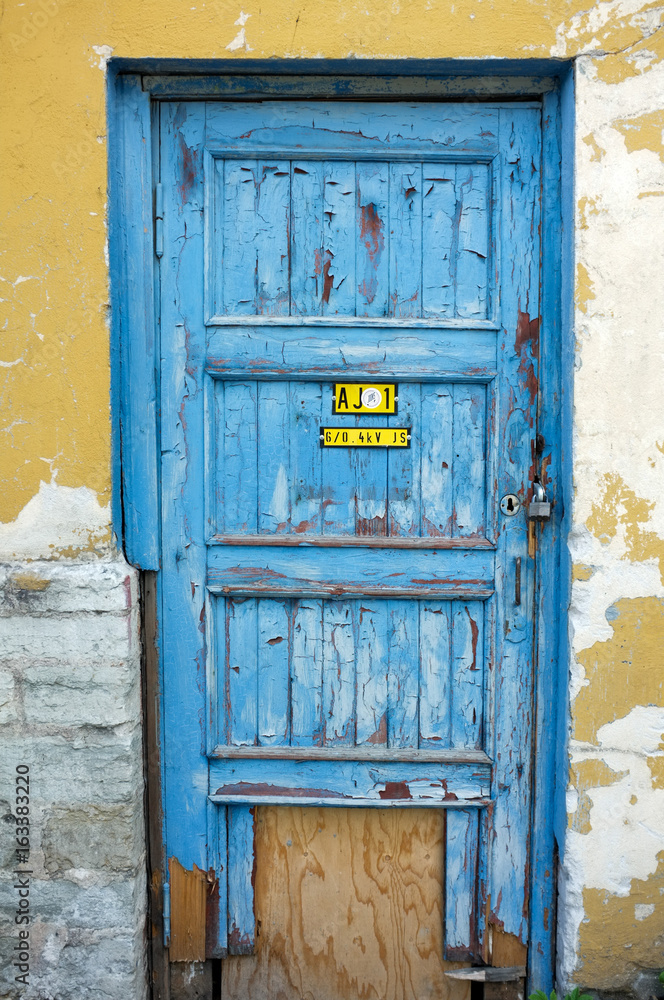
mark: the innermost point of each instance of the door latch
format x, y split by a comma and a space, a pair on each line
539, 508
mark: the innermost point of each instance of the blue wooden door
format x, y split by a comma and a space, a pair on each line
349, 626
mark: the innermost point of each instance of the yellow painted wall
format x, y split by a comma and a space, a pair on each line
54, 500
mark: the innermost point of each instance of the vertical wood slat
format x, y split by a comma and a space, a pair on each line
467, 674
372, 239
403, 680
272, 238
469, 470
437, 460
273, 457
239, 230
241, 687
406, 240
338, 673
274, 644
472, 189
240, 469
339, 236
438, 227
306, 458
216, 918
241, 860
435, 669
306, 246
461, 857
188, 903
307, 673
371, 672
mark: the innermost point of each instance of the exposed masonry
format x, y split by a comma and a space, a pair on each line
70, 708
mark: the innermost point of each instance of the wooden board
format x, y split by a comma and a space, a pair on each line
349, 904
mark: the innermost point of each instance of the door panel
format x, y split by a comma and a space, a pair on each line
346, 624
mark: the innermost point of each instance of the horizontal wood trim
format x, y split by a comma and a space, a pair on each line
353, 541
346, 803
360, 322
311, 572
364, 753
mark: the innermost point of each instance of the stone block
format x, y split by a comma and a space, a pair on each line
68, 587
96, 838
66, 769
82, 694
70, 637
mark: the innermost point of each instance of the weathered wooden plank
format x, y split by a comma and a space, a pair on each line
469, 472
183, 529
415, 354
403, 678
305, 480
273, 434
306, 244
461, 853
435, 673
474, 220
241, 860
511, 737
372, 666
356, 128
437, 462
338, 673
370, 752
240, 260
438, 229
346, 541
372, 236
272, 237
339, 228
406, 249
467, 673
318, 571
404, 472
342, 782
188, 894
274, 632
307, 673
241, 689
240, 468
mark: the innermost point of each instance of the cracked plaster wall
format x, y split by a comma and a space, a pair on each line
55, 358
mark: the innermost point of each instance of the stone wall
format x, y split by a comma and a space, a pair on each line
70, 708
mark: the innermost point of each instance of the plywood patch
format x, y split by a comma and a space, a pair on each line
188, 893
349, 904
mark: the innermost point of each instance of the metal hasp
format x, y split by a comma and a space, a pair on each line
539, 508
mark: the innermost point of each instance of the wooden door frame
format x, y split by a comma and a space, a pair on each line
135, 87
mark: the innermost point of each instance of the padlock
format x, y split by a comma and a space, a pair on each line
539, 508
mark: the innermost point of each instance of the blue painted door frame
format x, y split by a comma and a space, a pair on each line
138, 384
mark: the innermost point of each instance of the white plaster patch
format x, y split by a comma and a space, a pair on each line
104, 52
240, 40
641, 731
643, 910
57, 517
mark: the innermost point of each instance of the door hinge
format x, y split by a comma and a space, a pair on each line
159, 220
167, 914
